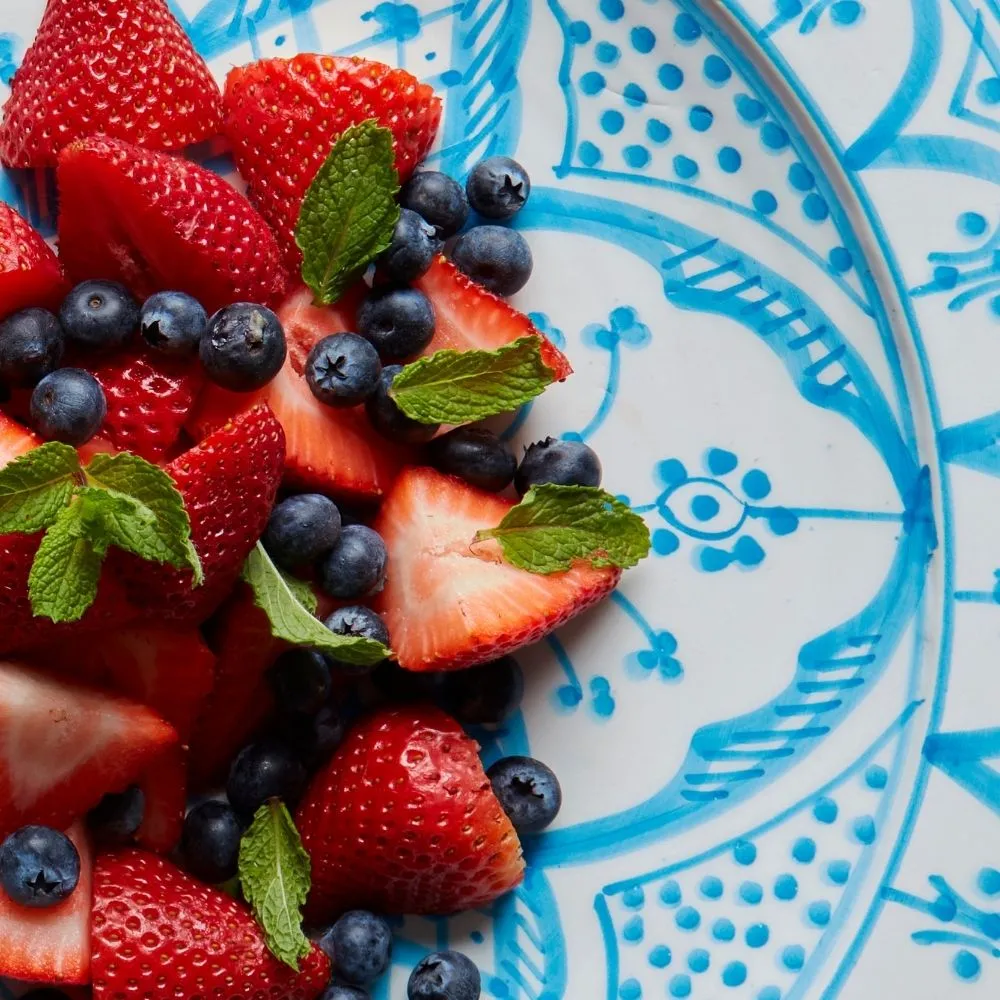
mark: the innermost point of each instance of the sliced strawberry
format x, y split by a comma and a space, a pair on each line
449, 604
283, 116
403, 820
50, 945
65, 746
330, 450
468, 317
164, 788
154, 221
306, 323
30, 273
150, 396
156, 926
119, 67
15, 440
228, 483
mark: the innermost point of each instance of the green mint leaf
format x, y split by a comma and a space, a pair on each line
63, 580
274, 872
301, 591
277, 596
555, 526
162, 531
349, 212
35, 488
457, 387
112, 518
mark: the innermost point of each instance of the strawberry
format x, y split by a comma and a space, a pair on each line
449, 604
30, 273
469, 317
64, 746
282, 117
50, 945
161, 932
306, 323
403, 820
334, 451
149, 397
164, 787
228, 483
154, 221
123, 68
15, 440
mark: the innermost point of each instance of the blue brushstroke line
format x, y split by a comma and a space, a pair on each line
565, 663
957, 103
942, 152
977, 596
983, 252
511, 430
975, 444
610, 945
959, 302
827, 513
951, 937
608, 396
636, 616
890, 732
912, 89
961, 755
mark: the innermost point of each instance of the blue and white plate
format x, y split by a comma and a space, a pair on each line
767, 234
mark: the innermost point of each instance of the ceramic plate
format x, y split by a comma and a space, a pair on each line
766, 233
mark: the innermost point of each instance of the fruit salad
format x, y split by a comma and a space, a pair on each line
262, 564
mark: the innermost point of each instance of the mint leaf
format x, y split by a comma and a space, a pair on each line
63, 580
555, 526
36, 487
301, 591
160, 529
349, 212
274, 872
277, 596
457, 387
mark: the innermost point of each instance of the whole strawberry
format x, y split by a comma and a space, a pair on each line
123, 68
283, 116
158, 931
403, 820
30, 274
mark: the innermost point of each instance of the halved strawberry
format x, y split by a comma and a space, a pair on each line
228, 483
30, 273
15, 440
150, 396
330, 450
403, 820
158, 931
449, 604
64, 746
118, 67
283, 116
50, 945
154, 221
164, 789
468, 317
306, 323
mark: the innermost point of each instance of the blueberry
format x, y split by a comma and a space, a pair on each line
263, 771
483, 695
243, 348
39, 866
115, 819
314, 738
476, 455
300, 529
498, 187
300, 679
444, 975
69, 406
566, 463
398, 322
210, 842
388, 419
173, 322
414, 244
528, 792
358, 621
31, 346
356, 565
499, 259
343, 991
343, 369
439, 199
99, 315
359, 945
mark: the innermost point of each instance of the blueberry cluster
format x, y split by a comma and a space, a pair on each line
241, 347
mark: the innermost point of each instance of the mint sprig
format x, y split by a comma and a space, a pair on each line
274, 871
290, 613
554, 527
120, 500
349, 212
457, 387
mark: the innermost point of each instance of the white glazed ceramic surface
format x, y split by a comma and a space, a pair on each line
767, 233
